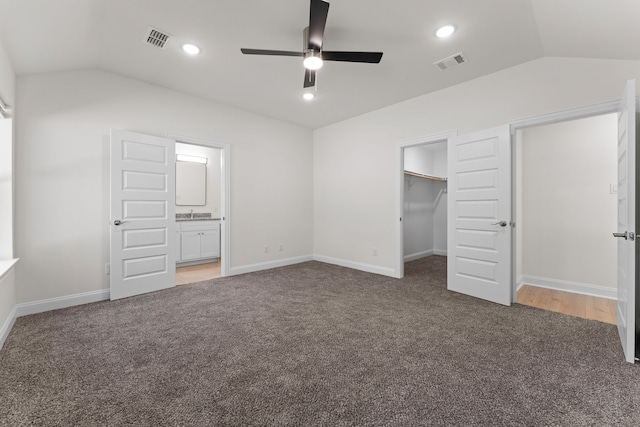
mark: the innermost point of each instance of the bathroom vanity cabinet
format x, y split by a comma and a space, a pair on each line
197, 241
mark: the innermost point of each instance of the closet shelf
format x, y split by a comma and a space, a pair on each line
420, 175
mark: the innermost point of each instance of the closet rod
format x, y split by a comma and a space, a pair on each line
420, 175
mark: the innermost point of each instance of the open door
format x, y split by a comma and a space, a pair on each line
142, 224
479, 205
625, 311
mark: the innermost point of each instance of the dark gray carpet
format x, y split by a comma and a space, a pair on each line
315, 344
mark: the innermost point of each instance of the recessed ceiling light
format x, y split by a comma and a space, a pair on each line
308, 96
445, 31
191, 49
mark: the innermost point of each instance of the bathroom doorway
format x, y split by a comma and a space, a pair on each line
201, 203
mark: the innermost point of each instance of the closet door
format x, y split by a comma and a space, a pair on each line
479, 211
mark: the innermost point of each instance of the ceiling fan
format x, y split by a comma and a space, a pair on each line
312, 46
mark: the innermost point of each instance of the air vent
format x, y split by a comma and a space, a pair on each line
451, 61
156, 37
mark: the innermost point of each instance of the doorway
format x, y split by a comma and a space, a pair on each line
422, 232
142, 225
200, 205
565, 211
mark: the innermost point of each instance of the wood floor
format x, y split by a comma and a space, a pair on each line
197, 273
585, 306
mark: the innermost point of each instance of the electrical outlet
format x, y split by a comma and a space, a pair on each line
280, 247
266, 249
107, 268
375, 251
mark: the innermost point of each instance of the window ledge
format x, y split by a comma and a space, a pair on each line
6, 266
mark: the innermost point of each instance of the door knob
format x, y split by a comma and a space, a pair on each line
626, 235
500, 223
118, 222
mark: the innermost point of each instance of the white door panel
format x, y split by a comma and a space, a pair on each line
142, 213
479, 203
625, 311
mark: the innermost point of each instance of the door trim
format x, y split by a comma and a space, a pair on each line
546, 119
225, 211
398, 271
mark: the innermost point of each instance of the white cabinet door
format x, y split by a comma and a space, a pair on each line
209, 244
142, 206
190, 245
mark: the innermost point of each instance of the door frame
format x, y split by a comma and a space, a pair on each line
225, 195
400, 147
545, 119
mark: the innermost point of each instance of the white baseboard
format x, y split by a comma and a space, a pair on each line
197, 262
26, 308
418, 255
424, 254
384, 271
8, 324
250, 268
566, 286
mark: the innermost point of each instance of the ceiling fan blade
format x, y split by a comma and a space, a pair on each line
370, 57
317, 22
309, 78
270, 52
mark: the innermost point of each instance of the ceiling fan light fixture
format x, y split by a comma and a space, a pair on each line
445, 31
312, 61
191, 48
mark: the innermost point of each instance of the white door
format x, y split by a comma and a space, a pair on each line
479, 204
142, 224
625, 312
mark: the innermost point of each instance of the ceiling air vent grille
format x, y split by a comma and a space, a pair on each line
156, 37
451, 61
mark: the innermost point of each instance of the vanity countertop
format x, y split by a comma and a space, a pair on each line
206, 216
196, 219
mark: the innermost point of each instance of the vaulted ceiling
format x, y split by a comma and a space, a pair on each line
43, 36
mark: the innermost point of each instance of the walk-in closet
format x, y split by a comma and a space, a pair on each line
425, 201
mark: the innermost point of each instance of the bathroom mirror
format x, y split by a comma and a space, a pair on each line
191, 184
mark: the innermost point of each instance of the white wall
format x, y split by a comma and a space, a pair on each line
7, 304
440, 218
355, 194
417, 219
62, 172
568, 211
212, 200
